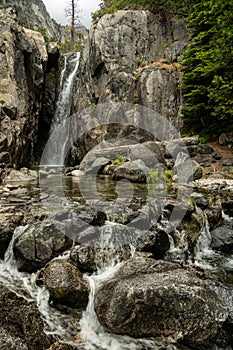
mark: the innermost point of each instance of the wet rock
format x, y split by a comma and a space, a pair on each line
21, 325
130, 171
91, 216
22, 175
5, 157
214, 217
65, 284
222, 238
11, 216
9, 342
84, 258
155, 242
160, 299
201, 200
37, 244
62, 346
112, 244
5, 238
228, 208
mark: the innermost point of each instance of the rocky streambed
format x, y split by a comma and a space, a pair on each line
79, 270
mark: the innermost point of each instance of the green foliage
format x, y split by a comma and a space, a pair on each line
43, 31
118, 159
152, 177
208, 68
92, 107
167, 176
164, 8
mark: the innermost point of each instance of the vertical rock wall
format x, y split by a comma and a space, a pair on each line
23, 61
131, 56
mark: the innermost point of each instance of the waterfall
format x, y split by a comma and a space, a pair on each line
66, 83
59, 140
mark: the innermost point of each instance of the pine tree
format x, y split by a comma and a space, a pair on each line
208, 68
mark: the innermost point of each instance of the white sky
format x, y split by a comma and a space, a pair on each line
56, 9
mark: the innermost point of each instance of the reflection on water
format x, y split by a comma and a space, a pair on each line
102, 187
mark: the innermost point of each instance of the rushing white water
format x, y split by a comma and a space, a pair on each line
63, 107
205, 256
66, 85
24, 286
94, 335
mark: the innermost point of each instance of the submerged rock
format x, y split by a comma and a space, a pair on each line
160, 299
65, 284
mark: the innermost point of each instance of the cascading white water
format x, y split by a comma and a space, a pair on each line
205, 256
24, 286
63, 108
64, 100
94, 335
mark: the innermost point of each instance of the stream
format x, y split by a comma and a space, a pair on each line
66, 325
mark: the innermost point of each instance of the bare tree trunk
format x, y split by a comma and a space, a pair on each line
72, 29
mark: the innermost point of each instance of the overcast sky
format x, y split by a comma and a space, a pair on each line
56, 9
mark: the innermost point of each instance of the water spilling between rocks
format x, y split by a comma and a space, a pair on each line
109, 261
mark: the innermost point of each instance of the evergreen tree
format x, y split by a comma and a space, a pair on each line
208, 68
164, 8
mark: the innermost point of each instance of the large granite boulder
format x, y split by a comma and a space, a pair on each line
21, 325
160, 299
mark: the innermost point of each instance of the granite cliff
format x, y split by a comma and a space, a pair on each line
33, 15
24, 61
132, 56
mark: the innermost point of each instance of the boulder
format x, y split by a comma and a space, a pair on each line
160, 299
149, 152
226, 138
131, 171
65, 284
155, 242
37, 244
222, 238
21, 325
84, 258
227, 207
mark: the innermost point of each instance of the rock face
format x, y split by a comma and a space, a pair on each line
23, 57
21, 326
131, 56
161, 299
33, 14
